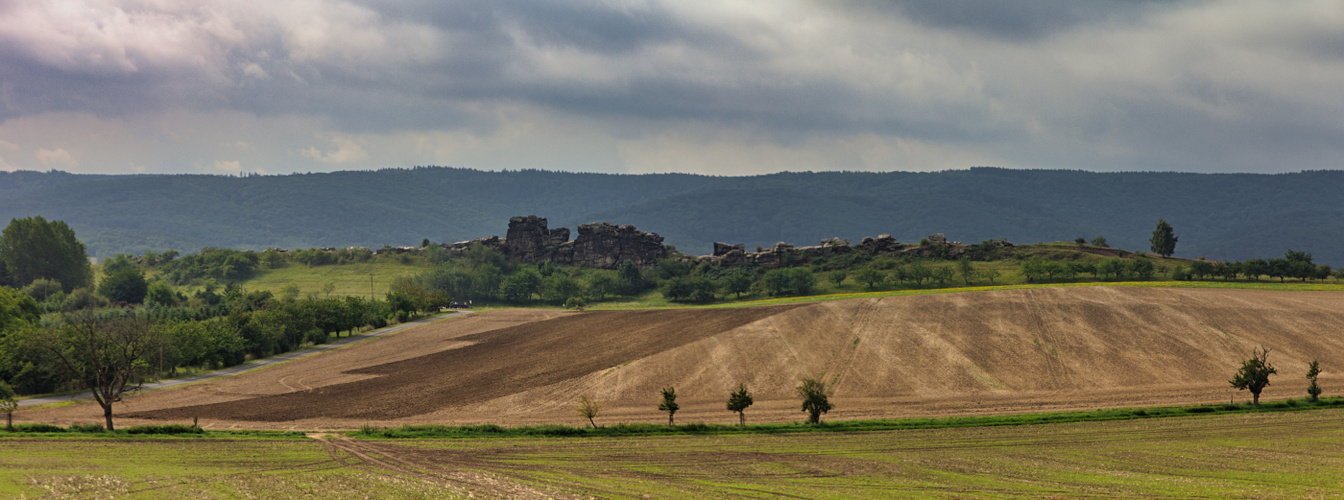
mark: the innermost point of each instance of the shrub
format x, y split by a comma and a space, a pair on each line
165, 429
87, 428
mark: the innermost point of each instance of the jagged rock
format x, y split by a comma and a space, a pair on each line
605, 245
721, 249
528, 239
884, 243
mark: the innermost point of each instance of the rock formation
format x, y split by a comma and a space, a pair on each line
605, 246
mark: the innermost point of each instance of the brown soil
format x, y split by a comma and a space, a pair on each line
946, 354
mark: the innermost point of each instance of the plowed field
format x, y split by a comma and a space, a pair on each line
948, 354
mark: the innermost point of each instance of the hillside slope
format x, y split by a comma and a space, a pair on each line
1219, 216
945, 354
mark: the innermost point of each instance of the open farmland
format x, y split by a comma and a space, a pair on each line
1259, 455
1006, 351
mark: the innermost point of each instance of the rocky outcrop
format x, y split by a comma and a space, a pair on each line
605, 246
599, 245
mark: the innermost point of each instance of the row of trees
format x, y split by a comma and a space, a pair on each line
815, 396
1040, 270
1293, 264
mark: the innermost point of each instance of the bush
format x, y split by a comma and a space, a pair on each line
87, 428
165, 429
42, 428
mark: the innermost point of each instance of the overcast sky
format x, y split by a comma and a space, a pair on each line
717, 87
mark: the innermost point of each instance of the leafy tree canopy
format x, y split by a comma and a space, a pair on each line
33, 248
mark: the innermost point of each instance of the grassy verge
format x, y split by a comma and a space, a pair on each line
85, 431
620, 430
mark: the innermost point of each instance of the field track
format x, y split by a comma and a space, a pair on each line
930, 355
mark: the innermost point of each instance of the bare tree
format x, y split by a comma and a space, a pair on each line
1254, 374
108, 356
738, 401
588, 409
669, 403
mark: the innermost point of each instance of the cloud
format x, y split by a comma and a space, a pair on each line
230, 167
634, 85
56, 158
346, 151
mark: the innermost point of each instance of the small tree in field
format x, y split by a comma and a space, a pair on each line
669, 403
1312, 371
815, 400
1254, 374
8, 404
738, 402
588, 409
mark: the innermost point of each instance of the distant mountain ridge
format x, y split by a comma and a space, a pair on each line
1219, 216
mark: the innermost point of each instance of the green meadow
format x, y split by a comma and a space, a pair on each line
1235, 455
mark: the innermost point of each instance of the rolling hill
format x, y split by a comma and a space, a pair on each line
948, 354
1219, 216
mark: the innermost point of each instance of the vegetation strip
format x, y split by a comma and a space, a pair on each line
620, 430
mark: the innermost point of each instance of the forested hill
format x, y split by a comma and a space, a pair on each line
1220, 216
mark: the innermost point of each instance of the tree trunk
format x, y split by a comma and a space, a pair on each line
1255, 398
107, 414
741, 419
591, 422
9, 421
669, 419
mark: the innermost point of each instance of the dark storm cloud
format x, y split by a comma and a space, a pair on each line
1026, 20
1198, 85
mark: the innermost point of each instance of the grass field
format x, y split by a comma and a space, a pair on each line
362, 279
1257, 455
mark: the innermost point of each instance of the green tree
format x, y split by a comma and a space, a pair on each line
966, 270
8, 404
869, 276
125, 285
589, 409
815, 399
1142, 268
738, 401
1099, 241
1254, 374
108, 356
33, 248
737, 283
838, 277
520, 285
1163, 240
160, 293
601, 285
1312, 371
560, 287
632, 280
669, 403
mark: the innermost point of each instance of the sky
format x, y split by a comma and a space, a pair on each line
719, 87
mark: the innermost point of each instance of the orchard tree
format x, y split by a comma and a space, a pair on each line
738, 402
1164, 239
33, 248
815, 399
669, 403
1312, 371
1254, 374
108, 356
737, 283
